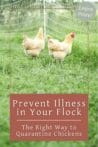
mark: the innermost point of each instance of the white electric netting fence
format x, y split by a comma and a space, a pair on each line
56, 19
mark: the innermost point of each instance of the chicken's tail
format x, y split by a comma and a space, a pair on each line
40, 33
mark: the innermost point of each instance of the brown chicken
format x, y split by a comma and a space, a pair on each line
34, 46
61, 49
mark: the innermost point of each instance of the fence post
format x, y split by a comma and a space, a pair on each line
44, 4
88, 37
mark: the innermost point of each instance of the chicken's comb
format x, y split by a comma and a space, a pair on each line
73, 34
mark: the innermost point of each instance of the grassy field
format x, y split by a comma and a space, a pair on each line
21, 74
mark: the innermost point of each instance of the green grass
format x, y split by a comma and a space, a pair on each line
21, 74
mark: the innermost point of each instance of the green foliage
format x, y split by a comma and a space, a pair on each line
21, 74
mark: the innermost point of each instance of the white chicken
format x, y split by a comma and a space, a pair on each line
61, 49
34, 46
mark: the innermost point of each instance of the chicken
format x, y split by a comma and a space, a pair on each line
34, 46
61, 49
